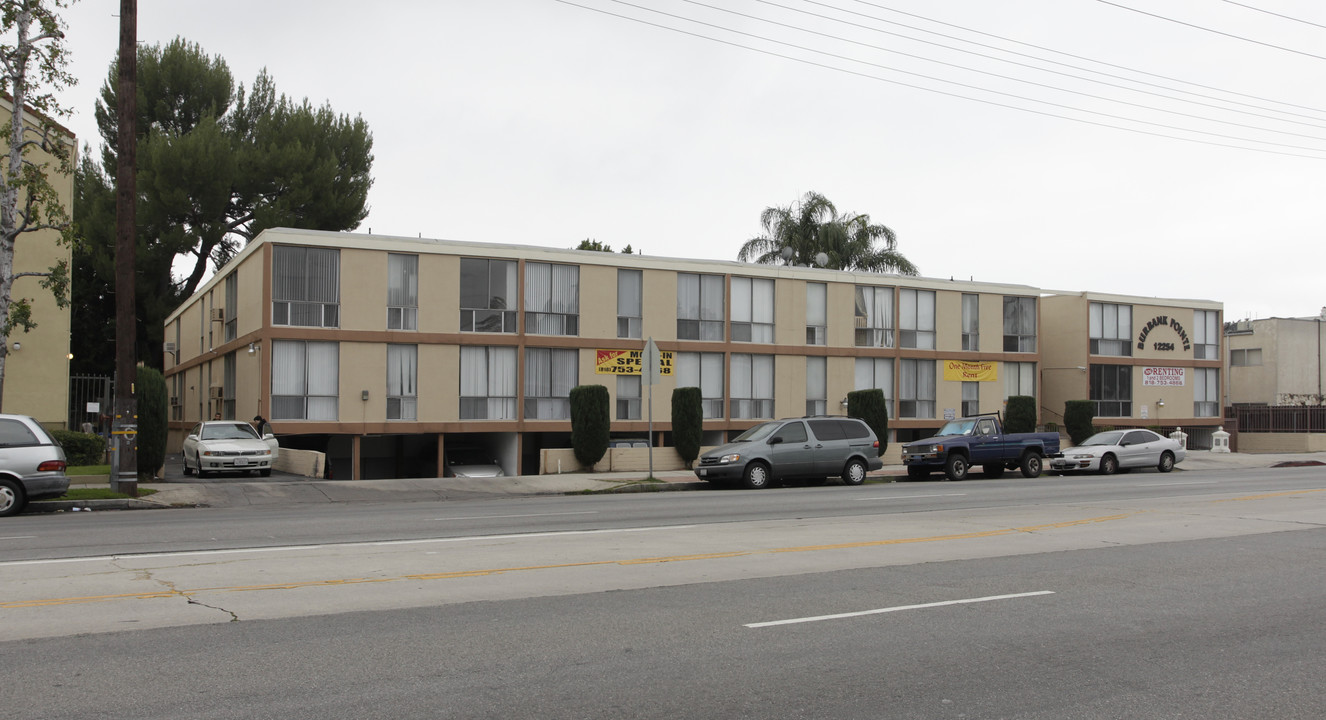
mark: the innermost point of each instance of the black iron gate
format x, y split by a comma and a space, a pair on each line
91, 399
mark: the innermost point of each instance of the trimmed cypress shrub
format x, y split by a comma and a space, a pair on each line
153, 408
590, 423
1078, 416
1020, 414
870, 406
687, 422
81, 448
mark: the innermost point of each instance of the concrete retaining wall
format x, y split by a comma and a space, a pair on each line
1281, 442
308, 463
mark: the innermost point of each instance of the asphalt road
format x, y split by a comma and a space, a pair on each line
1183, 596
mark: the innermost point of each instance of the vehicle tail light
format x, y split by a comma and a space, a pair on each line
875, 444
51, 466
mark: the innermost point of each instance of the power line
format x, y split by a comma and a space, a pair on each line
1211, 30
1279, 15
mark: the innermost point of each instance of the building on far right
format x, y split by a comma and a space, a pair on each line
1276, 361
1143, 361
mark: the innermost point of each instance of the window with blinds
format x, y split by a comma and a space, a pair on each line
306, 286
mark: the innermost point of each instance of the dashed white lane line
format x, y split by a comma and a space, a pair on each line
880, 611
908, 497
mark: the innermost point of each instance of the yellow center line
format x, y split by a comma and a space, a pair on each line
14, 604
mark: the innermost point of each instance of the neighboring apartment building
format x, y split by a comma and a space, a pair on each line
1276, 361
383, 352
1143, 361
37, 366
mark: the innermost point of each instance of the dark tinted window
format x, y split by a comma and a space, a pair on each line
853, 429
793, 432
827, 429
15, 434
1137, 437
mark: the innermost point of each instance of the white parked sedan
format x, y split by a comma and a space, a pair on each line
228, 445
1113, 450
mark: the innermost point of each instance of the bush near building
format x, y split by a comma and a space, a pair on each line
81, 448
687, 422
870, 406
590, 424
1078, 418
1020, 414
153, 408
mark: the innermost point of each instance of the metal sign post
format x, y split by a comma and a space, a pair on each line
649, 375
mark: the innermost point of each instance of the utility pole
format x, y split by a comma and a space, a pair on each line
124, 428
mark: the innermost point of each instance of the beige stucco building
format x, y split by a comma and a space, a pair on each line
1276, 361
386, 352
37, 365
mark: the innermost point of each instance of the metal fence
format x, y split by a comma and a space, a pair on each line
91, 400
1279, 418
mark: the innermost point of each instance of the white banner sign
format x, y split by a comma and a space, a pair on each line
1164, 376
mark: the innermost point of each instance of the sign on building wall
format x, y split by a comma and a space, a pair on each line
960, 371
628, 362
1160, 321
1164, 377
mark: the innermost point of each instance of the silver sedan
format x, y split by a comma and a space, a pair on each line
228, 445
1114, 450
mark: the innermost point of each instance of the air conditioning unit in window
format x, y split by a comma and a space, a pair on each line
216, 392
861, 321
218, 314
168, 347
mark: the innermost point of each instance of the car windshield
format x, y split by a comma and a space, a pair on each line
958, 427
228, 431
759, 432
1105, 438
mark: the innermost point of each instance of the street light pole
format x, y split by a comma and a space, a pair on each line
124, 427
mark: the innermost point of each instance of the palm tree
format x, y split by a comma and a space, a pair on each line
799, 233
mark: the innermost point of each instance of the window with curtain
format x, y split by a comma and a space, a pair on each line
700, 308
630, 303
487, 295
1206, 392
1206, 335
916, 319
752, 310
628, 397
817, 386
971, 399
1248, 357
402, 378
875, 373
1019, 379
487, 383
550, 373
817, 313
916, 389
705, 371
305, 380
306, 286
232, 306
1110, 328
402, 292
1019, 324
552, 299
1112, 390
874, 316
971, 322
752, 386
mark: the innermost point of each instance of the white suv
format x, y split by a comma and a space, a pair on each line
32, 464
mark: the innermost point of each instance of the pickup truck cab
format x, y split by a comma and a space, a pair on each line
979, 440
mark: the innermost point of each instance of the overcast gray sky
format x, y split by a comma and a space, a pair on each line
543, 122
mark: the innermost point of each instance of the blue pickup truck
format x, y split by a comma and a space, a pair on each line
979, 440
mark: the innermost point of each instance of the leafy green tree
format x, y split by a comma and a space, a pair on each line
33, 59
870, 406
151, 395
216, 166
591, 423
799, 233
1078, 418
588, 244
687, 422
1020, 414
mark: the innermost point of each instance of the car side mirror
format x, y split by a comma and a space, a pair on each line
776, 440
192, 437
268, 436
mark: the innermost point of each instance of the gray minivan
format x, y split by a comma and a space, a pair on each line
809, 448
32, 464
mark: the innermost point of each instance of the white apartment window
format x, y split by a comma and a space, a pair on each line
1206, 336
817, 314
874, 316
1019, 324
971, 322
752, 311
305, 380
1110, 328
873, 373
705, 371
752, 386
402, 292
232, 306
628, 397
487, 383
306, 286
1245, 358
550, 373
1206, 392
700, 308
402, 377
228, 386
630, 302
1019, 379
971, 399
1112, 390
817, 381
487, 295
916, 319
552, 299
916, 389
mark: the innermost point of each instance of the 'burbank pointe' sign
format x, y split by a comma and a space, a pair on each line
1163, 321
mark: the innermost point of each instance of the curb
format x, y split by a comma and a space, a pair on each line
50, 506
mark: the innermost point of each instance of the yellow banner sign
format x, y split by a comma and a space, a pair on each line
628, 362
959, 371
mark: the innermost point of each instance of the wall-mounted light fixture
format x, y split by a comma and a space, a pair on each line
18, 345
1160, 402
363, 395
253, 348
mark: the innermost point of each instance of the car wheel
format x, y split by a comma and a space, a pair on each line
11, 498
1109, 465
1166, 461
993, 471
756, 476
956, 467
187, 470
1031, 465
917, 472
855, 472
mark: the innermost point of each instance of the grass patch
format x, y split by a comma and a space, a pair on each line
101, 494
77, 470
